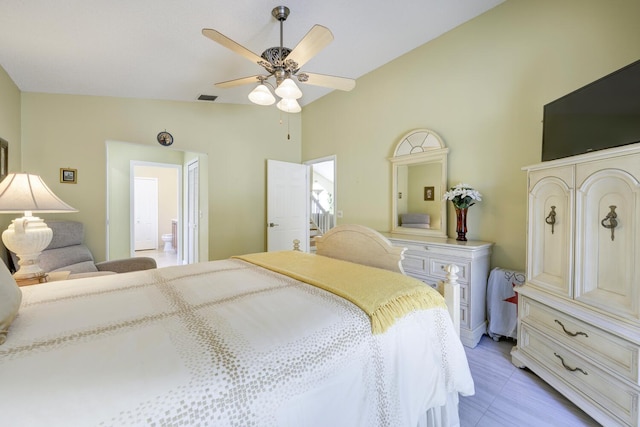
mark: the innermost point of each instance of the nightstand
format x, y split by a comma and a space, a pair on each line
47, 277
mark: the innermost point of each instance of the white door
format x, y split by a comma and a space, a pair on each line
145, 211
287, 205
193, 213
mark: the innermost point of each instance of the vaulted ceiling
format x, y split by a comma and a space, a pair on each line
155, 49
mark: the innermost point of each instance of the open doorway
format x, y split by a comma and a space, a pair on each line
322, 212
156, 211
120, 188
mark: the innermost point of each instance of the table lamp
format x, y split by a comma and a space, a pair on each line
28, 236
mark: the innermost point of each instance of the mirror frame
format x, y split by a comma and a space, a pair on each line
419, 146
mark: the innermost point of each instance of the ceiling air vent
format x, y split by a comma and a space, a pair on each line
207, 97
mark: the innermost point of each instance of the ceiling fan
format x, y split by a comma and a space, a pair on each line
283, 64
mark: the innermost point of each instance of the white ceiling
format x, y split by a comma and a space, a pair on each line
155, 49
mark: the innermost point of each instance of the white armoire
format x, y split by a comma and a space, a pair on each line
579, 311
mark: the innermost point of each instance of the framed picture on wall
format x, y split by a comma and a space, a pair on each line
429, 193
4, 158
68, 176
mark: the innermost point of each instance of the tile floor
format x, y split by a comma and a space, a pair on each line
509, 396
163, 259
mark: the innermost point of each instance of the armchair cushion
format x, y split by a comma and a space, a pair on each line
127, 264
76, 258
67, 252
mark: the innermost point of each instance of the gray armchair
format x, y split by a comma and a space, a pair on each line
67, 252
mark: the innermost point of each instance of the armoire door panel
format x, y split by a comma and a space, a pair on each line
551, 234
607, 271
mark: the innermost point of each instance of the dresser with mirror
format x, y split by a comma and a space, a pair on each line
419, 223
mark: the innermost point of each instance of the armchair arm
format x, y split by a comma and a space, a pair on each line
127, 264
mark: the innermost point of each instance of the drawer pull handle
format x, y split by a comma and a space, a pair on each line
567, 367
612, 218
573, 334
551, 218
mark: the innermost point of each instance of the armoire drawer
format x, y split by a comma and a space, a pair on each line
610, 351
613, 396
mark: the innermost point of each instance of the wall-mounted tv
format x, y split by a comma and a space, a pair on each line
602, 114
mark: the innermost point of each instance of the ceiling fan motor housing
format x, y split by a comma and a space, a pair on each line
280, 13
276, 55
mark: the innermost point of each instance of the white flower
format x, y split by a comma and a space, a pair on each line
462, 196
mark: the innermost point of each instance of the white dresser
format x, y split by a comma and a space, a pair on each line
579, 311
425, 260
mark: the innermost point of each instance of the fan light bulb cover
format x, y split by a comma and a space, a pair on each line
261, 95
289, 106
288, 90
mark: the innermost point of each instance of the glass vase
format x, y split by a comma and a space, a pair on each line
461, 224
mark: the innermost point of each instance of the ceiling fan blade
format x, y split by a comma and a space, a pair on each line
231, 45
340, 83
238, 82
313, 42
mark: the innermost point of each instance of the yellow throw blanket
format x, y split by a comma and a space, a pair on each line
383, 295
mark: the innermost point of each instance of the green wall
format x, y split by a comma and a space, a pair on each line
481, 87
10, 121
71, 131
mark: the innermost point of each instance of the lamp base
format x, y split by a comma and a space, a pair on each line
27, 237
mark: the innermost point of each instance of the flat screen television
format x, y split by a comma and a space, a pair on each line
602, 114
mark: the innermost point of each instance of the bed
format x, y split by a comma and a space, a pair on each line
238, 342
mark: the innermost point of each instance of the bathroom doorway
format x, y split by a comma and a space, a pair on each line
156, 218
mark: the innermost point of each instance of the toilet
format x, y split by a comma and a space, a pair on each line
167, 239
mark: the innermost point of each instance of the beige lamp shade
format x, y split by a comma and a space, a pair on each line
22, 192
28, 236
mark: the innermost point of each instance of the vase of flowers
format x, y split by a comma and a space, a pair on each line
462, 196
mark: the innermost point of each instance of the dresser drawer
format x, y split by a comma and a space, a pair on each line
420, 263
436, 268
415, 262
429, 281
433, 282
612, 396
610, 351
464, 316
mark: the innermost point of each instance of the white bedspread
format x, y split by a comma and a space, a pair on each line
223, 343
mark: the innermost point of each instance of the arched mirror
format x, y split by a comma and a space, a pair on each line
419, 175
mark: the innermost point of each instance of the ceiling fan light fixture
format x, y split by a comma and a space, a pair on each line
261, 95
289, 105
288, 89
